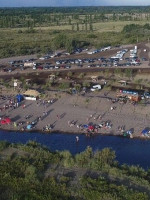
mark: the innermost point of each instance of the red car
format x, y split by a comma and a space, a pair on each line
40, 67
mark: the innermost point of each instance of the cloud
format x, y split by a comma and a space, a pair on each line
28, 3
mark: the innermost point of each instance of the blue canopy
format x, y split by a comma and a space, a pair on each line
19, 97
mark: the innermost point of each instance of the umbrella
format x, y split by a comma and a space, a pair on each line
8, 120
91, 127
29, 126
85, 126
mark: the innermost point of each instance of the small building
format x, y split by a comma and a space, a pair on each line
52, 76
122, 82
94, 78
31, 95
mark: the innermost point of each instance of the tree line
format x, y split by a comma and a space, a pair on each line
35, 17
33, 172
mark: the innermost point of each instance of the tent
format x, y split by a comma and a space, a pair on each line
19, 97
145, 131
8, 120
31, 95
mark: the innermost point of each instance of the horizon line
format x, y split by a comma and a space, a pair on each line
75, 6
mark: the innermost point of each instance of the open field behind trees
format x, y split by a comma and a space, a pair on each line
39, 30
42, 40
115, 26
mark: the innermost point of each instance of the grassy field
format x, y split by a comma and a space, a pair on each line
116, 26
23, 41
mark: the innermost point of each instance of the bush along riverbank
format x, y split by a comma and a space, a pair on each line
31, 171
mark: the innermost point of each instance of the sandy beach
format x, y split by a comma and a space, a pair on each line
70, 113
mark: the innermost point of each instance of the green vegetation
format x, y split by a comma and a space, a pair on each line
38, 17
39, 30
33, 172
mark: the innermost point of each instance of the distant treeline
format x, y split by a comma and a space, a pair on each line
79, 10
50, 16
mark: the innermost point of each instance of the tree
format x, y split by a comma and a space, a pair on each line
59, 41
86, 84
69, 45
72, 27
69, 20
30, 173
91, 26
118, 71
78, 87
69, 74
81, 75
128, 73
83, 159
77, 27
87, 101
64, 85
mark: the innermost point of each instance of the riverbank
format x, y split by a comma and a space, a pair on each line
72, 113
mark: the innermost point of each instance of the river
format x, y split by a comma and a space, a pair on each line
129, 151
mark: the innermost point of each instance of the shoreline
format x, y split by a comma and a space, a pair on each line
72, 114
71, 133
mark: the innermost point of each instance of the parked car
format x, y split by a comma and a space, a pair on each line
144, 59
51, 67
57, 67
68, 67
142, 97
40, 67
147, 95
34, 67
46, 67
96, 87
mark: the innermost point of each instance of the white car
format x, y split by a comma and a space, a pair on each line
96, 87
90, 52
42, 58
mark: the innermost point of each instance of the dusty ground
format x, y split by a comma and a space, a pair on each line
78, 109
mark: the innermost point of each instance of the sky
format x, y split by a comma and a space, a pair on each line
36, 3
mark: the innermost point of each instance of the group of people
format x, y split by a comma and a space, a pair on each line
91, 128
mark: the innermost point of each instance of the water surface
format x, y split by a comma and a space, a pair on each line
129, 151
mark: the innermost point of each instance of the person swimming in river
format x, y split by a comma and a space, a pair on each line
77, 138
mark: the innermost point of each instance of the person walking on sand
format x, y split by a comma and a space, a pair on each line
100, 117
